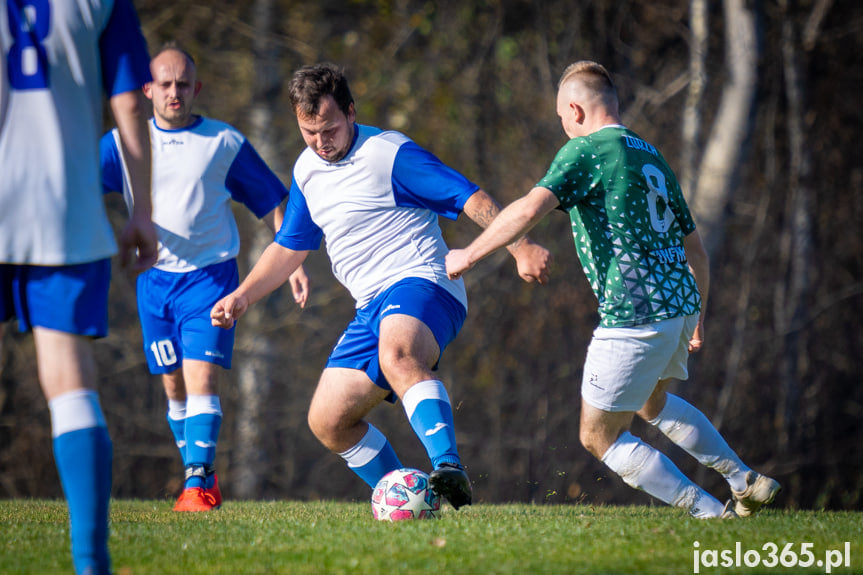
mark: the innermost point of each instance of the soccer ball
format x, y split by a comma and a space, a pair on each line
404, 494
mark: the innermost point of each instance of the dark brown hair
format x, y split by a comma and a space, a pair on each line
311, 84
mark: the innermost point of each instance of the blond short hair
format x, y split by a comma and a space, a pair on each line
593, 76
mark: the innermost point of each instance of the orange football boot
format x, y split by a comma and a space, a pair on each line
214, 492
195, 499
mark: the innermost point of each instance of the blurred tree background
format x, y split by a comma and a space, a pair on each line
752, 103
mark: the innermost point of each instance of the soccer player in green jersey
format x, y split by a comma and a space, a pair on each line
645, 261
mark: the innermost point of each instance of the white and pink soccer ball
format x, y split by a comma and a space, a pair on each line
404, 494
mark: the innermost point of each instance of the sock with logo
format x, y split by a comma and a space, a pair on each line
83, 453
430, 413
177, 422
645, 468
203, 421
690, 429
372, 458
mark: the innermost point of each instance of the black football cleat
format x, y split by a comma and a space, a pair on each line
451, 482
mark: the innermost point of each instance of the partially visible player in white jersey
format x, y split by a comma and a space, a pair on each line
645, 261
375, 197
57, 59
199, 166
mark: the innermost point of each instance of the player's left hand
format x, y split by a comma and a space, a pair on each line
228, 310
697, 339
457, 262
138, 242
300, 286
533, 261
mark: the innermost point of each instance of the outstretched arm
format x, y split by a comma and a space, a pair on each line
512, 223
274, 267
129, 113
532, 259
699, 265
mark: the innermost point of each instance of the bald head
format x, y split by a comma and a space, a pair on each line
586, 99
174, 87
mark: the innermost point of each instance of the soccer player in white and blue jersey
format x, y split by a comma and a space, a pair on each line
56, 60
375, 198
199, 166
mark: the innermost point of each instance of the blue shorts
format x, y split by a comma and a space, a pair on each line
419, 298
71, 299
174, 309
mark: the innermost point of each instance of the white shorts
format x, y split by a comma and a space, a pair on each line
624, 364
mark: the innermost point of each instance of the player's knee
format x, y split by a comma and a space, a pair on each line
403, 372
596, 439
334, 433
588, 440
394, 360
320, 426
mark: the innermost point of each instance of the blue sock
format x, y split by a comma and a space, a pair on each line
203, 421
430, 413
177, 422
372, 458
83, 454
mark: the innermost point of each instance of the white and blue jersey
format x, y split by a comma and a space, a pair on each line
197, 171
56, 60
377, 209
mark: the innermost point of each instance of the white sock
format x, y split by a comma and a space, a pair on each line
419, 392
367, 449
643, 467
200, 404
176, 409
75, 410
686, 426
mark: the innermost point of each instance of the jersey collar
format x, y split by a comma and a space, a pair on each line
194, 124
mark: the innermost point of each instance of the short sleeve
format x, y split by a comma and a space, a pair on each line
421, 180
111, 163
571, 175
125, 60
252, 183
298, 232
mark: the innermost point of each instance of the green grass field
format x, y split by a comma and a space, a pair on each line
342, 538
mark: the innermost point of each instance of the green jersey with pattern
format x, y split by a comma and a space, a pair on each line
629, 218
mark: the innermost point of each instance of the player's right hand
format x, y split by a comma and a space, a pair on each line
457, 262
228, 310
138, 244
